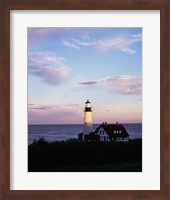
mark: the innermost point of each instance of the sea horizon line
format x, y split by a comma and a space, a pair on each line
93, 124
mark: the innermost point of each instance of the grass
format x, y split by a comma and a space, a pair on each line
132, 166
74, 156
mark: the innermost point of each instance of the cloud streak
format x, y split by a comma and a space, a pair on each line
72, 105
50, 115
88, 82
69, 44
51, 68
41, 108
121, 43
125, 84
122, 84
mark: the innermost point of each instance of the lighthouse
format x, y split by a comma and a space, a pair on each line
87, 118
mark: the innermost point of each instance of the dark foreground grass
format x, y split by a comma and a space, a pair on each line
131, 166
75, 156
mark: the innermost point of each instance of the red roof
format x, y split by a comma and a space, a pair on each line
113, 131
111, 128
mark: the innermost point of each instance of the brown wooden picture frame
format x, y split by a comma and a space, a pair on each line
5, 7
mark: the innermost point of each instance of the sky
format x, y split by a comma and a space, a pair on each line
67, 66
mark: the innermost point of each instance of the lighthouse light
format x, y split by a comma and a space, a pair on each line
87, 117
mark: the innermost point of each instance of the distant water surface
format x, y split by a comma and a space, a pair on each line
68, 131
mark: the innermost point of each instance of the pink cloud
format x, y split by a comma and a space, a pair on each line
121, 84
54, 116
51, 68
121, 43
125, 84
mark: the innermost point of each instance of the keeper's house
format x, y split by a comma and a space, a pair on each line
107, 132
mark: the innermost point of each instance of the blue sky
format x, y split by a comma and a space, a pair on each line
67, 66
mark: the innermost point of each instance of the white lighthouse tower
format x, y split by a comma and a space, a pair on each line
87, 118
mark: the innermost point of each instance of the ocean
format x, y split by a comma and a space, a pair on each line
69, 131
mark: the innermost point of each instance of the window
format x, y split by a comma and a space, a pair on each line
101, 132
